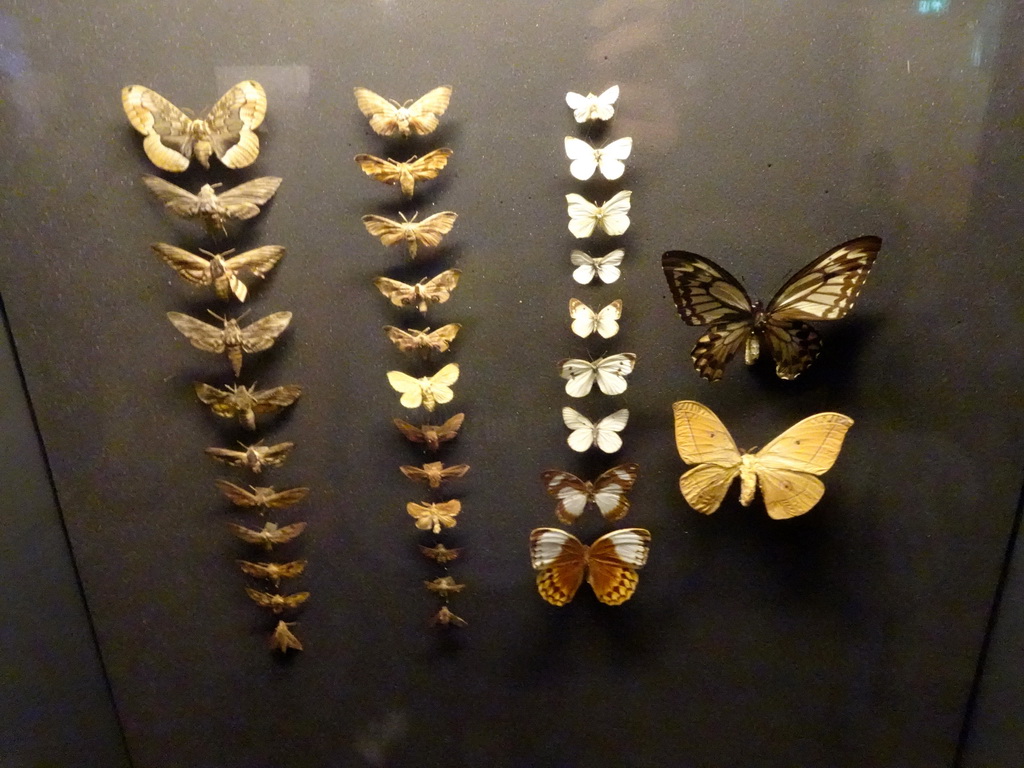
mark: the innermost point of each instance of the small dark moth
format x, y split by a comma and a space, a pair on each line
232, 338
273, 571
241, 202
237, 400
267, 498
269, 535
439, 553
255, 457
282, 638
222, 273
445, 585
433, 473
445, 617
432, 435
277, 603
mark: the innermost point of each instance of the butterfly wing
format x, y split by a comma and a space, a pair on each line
450, 428
385, 171
383, 115
610, 158
584, 319
580, 376
611, 372
201, 335
439, 289
398, 293
580, 106
262, 334
409, 387
244, 201
179, 201
607, 266
586, 267
425, 168
609, 491
425, 111
432, 229
702, 439
560, 560
583, 156
167, 130
232, 123
387, 230
236, 494
571, 492
615, 213
603, 108
607, 322
442, 381
582, 215
607, 429
270, 400
194, 269
613, 563
582, 435
441, 339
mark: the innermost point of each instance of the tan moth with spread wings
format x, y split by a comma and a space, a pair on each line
424, 341
433, 473
269, 535
255, 457
431, 517
241, 202
785, 469
261, 496
435, 290
427, 233
231, 338
273, 571
405, 175
277, 603
610, 563
238, 400
431, 435
222, 273
388, 117
439, 553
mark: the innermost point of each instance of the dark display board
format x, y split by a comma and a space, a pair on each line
764, 133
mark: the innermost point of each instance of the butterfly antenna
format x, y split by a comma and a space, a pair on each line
402, 214
214, 314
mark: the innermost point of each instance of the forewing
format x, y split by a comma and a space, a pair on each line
179, 201
450, 428
603, 109
560, 559
236, 494
571, 492
430, 165
704, 292
286, 498
607, 430
811, 445
607, 266
584, 319
379, 110
586, 267
202, 335
582, 215
610, 488
388, 230
607, 322
701, 437
704, 487
582, 435
614, 561
583, 156
398, 293
425, 111
262, 334
787, 493
611, 158
232, 122
244, 201
270, 400
441, 338
580, 376
195, 269
258, 261
166, 128
386, 171
432, 229
439, 289
615, 213
226, 455
408, 387
611, 371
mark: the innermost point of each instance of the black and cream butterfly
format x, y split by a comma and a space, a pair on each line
706, 294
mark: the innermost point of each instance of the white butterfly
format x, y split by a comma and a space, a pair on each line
585, 320
613, 216
608, 372
587, 159
591, 107
605, 267
427, 391
585, 432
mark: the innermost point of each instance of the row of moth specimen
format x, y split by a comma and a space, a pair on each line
172, 140
611, 562
427, 391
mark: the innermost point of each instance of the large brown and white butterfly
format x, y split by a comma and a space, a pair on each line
435, 290
785, 469
237, 400
255, 457
427, 391
424, 341
218, 271
604, 432
273, 572
405, 175
269, 535
706, 294
612, 216
282, 638
610, 563
241, 202
607, 159
260, 496
609, 373
607, 492
591, 107
173, 138
388, 117
586, 321
431, 435
431, 517
433, 473
231, 338
606, 268
427, 233
277, 603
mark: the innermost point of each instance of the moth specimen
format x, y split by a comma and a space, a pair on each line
434, 473
218, 271
446, 618
587, 159
255, 457
405, 175
706, 294
244, 403
231, 338
586, 321
273, 571
277, 603
609, 373
269, 535
173, 138
606, 267
431, 517
784, 469
267, 498
388, 117
439, 553
427, 391
282, 638
610, 563
424, 341
444, 585
586, 433
612, 217
241, 202
436, 290
427, 233
607, 492
591, 107
432, 435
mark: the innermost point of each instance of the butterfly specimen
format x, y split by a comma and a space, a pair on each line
273, 571
424, 341
406, 174
434, 473
427, 391
277, 603
217, 271
591, 107
431, 435
607, 492
269, 535
606, 267
427, 233
173, 138
446, 618
439, 553
612, 217
430, 517
610, 563
586, 321
232, 339
444, 585
585, 432
241, 202
282, 638
436, 290
267, 498
388, 117
587, 159
785, 469
255, 457
706, 294
237, 400
609, 373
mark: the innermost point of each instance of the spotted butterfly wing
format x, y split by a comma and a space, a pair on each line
610, 564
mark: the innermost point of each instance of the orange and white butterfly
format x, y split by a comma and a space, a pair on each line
609, 373
606, 267
607, 492
591, 107
586, 321
610, 563
427, 391
586, 432
607, 159
388, 117
785, 469
612, 216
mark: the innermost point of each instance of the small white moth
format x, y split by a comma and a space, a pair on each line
604, 267
586, 321
612, 216
586, 432
591, 107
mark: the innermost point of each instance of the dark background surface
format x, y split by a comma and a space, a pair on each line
763, 135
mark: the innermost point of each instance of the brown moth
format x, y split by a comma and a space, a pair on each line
260, 496
436, 290
444, 585
432, 435
446, 618
173, 138
431, 517
255, 457
282, 638
427, 233
241, 202
273, 571
269, 535
433, 473
439, 553
219, 272
388, 117
238, 400
277, 603
232, 338
424, 341
406, 174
